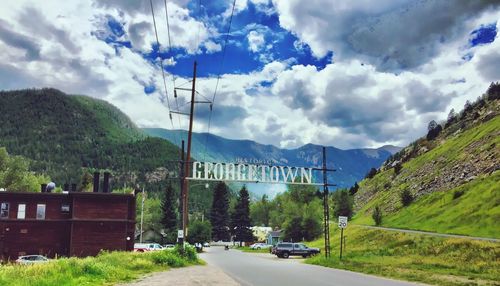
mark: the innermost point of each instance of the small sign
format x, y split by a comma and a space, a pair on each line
342, 221
180, 233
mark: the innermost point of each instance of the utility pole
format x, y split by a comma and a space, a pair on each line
142, 213
181, 198
326, 211
188, 158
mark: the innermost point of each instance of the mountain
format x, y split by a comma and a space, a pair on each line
453, 175
352, 165
65, 136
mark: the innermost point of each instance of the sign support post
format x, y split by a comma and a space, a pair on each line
342, 225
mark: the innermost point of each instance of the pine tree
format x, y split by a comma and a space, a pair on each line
219, 215
377, 215
240, 219
169, 214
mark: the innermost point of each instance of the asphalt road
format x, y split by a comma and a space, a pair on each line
432, 233
266, 269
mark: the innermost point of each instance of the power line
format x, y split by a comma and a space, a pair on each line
170, 49
161, 64
219, 74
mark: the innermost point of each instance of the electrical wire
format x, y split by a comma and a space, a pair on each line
162, 69
219, 74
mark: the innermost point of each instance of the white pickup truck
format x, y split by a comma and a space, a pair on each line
145, 247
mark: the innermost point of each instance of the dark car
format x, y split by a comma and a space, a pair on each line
286, 249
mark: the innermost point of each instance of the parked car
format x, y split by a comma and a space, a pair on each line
145, 247
32, 259
168, 246
286, 249
206, 244
260, 246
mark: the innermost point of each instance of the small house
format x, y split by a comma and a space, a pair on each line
273, 237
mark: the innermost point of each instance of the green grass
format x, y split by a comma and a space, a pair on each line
476, 213
248, 249
107, 268
414, 257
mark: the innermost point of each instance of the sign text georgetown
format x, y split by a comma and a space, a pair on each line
251, 173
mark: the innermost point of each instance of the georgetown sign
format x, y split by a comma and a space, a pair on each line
251, 173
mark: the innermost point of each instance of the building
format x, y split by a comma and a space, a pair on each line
274, 237
261, 232
65, 224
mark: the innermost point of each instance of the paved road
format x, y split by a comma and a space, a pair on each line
431, 233
265, 269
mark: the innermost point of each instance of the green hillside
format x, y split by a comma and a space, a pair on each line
453, 178
63, 136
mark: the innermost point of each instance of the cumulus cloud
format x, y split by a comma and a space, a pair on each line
489, 66
389, 34
255, 41
20, 41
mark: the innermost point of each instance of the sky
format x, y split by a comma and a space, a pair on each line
348, 74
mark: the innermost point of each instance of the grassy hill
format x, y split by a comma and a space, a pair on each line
453, 178
65, 135
413, 257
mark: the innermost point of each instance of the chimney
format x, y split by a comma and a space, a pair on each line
73, 188
43, 188
96, 182
105, 186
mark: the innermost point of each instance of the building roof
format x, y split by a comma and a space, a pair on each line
275, 233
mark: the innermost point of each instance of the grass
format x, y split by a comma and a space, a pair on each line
107, 268
475, 213
414, 257
248, 249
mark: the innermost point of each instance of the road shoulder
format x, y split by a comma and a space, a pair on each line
192, 275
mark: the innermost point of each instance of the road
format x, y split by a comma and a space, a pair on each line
266, 269
431, 233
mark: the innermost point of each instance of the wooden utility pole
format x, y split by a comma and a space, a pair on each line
326, 210
188, 159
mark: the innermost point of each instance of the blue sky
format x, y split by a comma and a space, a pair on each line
345, 74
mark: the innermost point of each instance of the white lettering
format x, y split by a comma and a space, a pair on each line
288, 174
274, 173
196, 173
208, 170
263, 173
252, 173
230, 171
240, 173
218, 171
306, 175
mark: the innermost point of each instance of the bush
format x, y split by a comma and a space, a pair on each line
406, 198
458, 193
377, 215
397, 168
371, 173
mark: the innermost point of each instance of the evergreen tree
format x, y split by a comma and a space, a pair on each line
406, 197
219, 215
240, 219
169, 214
377, 215
199, 232
342, 204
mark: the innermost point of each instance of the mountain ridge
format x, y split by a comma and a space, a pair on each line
352, 164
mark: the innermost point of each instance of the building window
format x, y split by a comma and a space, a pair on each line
21, 211
40, 211
4, 210
65, 208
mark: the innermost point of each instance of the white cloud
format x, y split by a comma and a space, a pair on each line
255, 41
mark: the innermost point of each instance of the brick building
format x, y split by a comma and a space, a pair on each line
65, 224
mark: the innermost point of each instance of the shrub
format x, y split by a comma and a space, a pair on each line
406, 197
377, 215
397, 168
458, 193
371, 173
